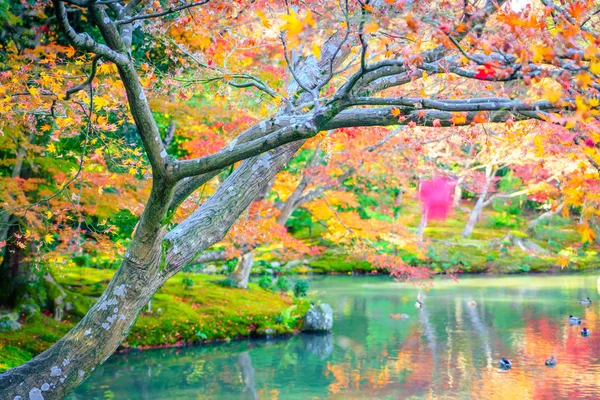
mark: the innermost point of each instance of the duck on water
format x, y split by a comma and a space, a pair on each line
574, 320
551, 362
504, 363
585, 302
585, 332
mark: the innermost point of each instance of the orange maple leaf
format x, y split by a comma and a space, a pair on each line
562, 261
459, 118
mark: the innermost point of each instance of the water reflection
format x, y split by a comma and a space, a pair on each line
448, 349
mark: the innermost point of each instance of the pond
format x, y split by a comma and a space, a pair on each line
449, 349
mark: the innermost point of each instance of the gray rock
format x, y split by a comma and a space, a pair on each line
269, 271
318, 319
209, 270
69, 306
9, 325
269, 333
275, 264
291, 264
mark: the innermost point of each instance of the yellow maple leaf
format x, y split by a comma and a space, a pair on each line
595, 67
308, 19
51, 148
316, 50
541, 53
371, 27
587, 233
48, 238
45, 128
263, 19
552, 93
584, 79
293, 25
395, 112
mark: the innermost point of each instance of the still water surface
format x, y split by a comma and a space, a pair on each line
447, 350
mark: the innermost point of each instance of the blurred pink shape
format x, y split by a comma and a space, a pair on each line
436, 197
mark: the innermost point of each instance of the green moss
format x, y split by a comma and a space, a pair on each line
11, 357
332, 262
204, 311
36, 335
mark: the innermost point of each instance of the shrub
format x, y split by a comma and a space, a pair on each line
187, 282
283, 284
228, 282
300, 288
231, 264
503, 220
265, 282
525, 268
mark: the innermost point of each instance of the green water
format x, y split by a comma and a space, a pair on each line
447, 350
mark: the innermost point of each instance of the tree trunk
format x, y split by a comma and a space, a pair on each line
468, 231
13, 274
480, 204
422, 226
457, 195
241, 273
57, 302
55, 372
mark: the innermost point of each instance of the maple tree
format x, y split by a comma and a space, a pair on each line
305, 69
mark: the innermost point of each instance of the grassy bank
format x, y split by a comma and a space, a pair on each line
190, 308
485, 251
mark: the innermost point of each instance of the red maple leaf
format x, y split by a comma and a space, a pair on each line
485, 71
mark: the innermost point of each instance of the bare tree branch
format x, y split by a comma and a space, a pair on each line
170, 10
83, 40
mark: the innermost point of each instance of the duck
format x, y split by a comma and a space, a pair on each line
504, 363
585, 302
472, 303
574, 320
418, 304
551, 362
585, 332
398, 316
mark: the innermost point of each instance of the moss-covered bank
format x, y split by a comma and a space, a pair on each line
190, 308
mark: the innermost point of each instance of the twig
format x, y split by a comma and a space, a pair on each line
87, 82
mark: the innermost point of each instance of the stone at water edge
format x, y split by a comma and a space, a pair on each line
318, 319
